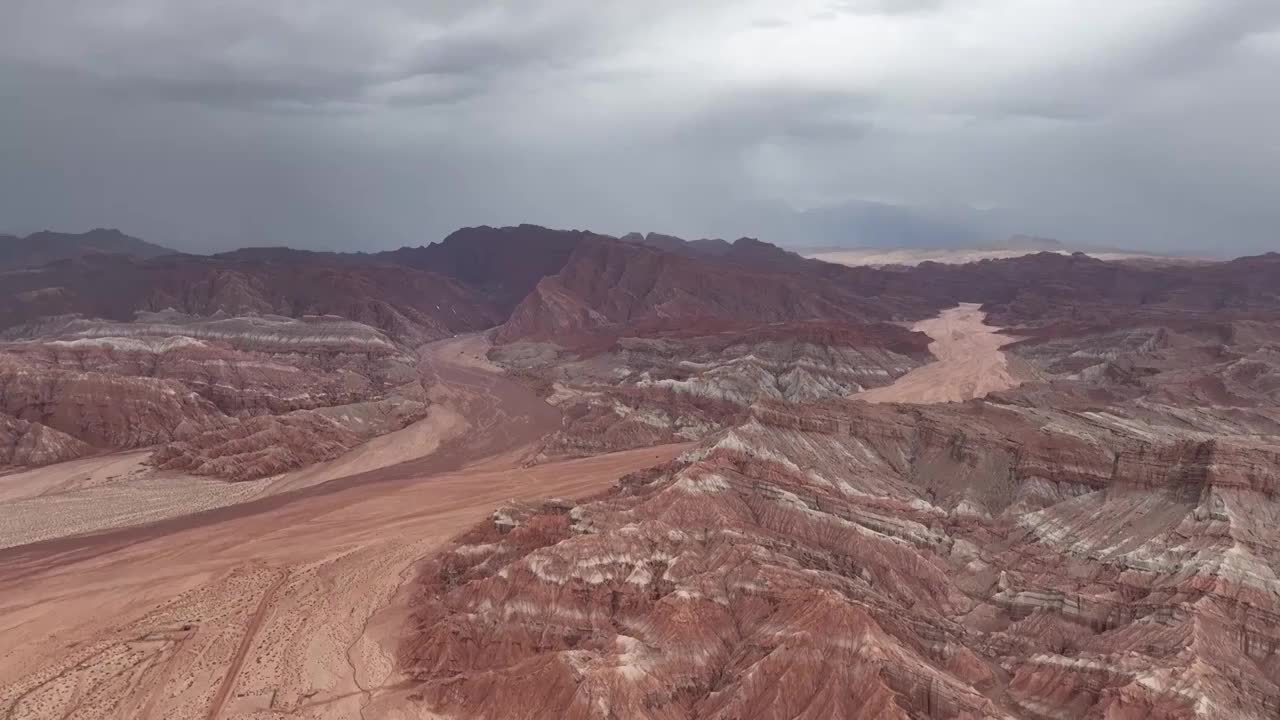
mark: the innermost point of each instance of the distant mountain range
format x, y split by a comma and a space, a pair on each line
866, 224
870, 225
45, 247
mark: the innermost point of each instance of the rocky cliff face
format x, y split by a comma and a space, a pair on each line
104, 410
24, 443
228, 397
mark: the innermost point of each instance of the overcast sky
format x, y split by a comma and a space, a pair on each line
342, 124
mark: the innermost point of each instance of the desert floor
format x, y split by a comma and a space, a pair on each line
970, 362
286, 601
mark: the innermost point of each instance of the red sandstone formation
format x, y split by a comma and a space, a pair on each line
172, 378
814, 562
28, 443
1099, 545
676, 385
1099, 541
271, 444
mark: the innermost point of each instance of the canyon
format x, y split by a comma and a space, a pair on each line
529, 473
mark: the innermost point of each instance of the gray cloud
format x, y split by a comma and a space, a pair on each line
343, 125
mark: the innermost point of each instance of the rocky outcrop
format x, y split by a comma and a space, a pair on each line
244, 366
659, 279
104, 410
257, 447
28, 444
231, 363
236, 397
267, 445
796, 363
673, 386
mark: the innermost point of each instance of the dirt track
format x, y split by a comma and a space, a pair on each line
287, 604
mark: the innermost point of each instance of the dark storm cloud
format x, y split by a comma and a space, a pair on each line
242, 53
340, 124
758, 115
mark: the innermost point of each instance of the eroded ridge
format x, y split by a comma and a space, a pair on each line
859, 560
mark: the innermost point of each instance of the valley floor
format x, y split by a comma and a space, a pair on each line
287, 603
283, 611
97, 494
970, 363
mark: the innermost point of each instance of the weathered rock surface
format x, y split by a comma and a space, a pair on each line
267, 445
1100, 542
103, 409
976, 560
670, 386
27, 444
198, 382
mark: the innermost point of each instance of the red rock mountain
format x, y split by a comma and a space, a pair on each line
408, 304
45, 247
504, 264
607, 283
1097, 538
